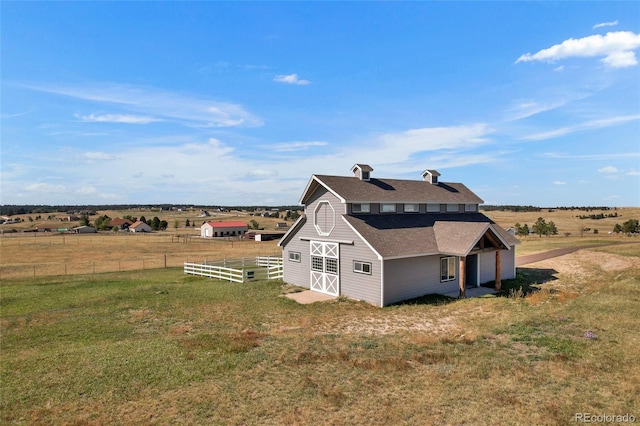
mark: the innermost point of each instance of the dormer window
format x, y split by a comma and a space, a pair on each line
362, 171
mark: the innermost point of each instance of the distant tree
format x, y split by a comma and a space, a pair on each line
595, 231
155, 223
143, 219
164, 225
187, 224
254, 224
551, 228
131, 218
84, 220
114, 229
541, 227
30, 219
102, 223
617, 228
631, 226
522, 230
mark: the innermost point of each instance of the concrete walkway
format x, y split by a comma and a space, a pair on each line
307, 296
472, 292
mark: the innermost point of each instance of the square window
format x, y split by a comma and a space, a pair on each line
433, 208
387, 208
360, 208
294, 256
470, 207
412, 208
452, 207
331, 266
362, 267
317, 264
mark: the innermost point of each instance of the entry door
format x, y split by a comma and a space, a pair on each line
324, 267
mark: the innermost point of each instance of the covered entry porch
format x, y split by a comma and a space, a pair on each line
478, 247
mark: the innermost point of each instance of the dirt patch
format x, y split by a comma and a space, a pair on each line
394, 323
579, 263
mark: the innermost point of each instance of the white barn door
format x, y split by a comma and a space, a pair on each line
325, 258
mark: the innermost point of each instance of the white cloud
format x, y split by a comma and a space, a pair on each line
119, 118
528, 108
594, 124
158, 104
616, 47
97, 156
291, 79
86, 190
606, 24
607, 156
262, 174
45, 188
559, 69
297, 146
608, 169
559, 182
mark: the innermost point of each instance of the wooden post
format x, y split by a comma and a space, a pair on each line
498, 270
461, 278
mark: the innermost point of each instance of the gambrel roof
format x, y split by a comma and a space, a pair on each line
352, 190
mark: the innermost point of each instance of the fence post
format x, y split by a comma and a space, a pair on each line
165, 261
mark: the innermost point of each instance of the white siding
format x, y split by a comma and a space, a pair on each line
352, 284
415, 277
487, 263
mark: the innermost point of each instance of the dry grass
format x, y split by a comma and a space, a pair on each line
158, 347
40, 254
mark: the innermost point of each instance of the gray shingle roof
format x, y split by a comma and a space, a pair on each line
352, 189
406, 235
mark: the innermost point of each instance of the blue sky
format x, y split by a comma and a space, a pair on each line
238, 103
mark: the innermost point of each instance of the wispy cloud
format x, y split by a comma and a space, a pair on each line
606, 24
297, 146
157, 104
559, 182
97, 156
528, 108
291, 79
616, 47
604, 156
45, 188
119, 118
633, 173
594, 124
608, 169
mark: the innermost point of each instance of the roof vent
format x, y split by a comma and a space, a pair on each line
362, 171
430, 176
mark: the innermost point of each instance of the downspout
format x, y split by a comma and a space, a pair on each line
381, 281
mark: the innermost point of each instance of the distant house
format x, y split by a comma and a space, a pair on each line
139, 227
84, 230
122, 224
282, 225
388, 240
223, 229
204, 213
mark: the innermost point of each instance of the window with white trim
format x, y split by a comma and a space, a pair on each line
317, 263
412, 208
294, 256
470, 207
387, 208
360, 208
447, 269
331, 265
433, 208
453, 207
362, 267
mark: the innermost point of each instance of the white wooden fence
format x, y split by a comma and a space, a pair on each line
238, 270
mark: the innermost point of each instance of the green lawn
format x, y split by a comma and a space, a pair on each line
159, 347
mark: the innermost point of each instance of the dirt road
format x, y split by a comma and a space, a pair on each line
537, 257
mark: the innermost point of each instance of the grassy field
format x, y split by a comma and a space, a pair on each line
159, 347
